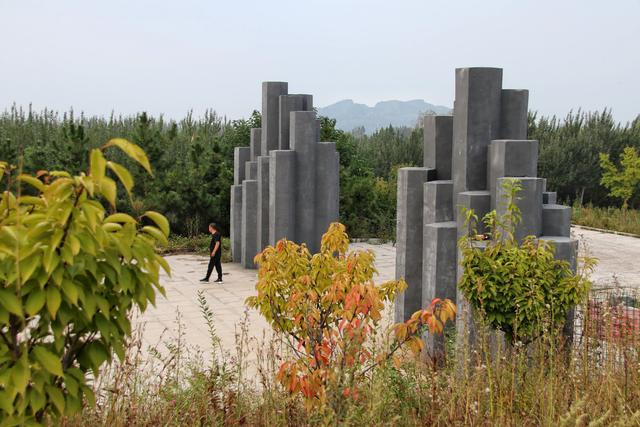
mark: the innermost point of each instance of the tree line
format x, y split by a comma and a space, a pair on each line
192, 160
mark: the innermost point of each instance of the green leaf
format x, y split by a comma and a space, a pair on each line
56, 396
132, 150
54, 300
159, 220
108, 189
10, 302
32, 181
48, 360
156, 234
123, 175
120, 218
70, 289
36, 300
97, 165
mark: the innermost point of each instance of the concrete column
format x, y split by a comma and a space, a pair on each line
303, 136
327, 187
438, 136
282, 195
529, 201
549, 197
241, 156
263, 203
476, 121
480, 202
271, 92
438, 201
409, 238
251, 170
256, 141
289, 103
556, 220
514, 120
249, 222
236, 223
507, 157
438, 273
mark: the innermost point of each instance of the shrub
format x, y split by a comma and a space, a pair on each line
520, 289
70, 274
329, 309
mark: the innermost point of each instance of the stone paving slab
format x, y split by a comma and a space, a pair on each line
618, 255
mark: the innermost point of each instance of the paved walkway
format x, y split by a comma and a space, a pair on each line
618, 255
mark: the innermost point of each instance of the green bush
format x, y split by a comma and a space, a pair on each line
519, 288
71, 271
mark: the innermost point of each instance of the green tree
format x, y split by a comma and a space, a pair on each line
71, 272
623, 182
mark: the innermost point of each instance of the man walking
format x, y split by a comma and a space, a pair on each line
215, 252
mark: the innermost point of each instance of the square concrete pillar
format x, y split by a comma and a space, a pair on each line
409, 238
438, 273
438, 141
549, 197
271, 92
438, 201
514, 121
263, 203
327, 187
556, 220
289, 103
282, 196
529, 201
236, 223
476, 122
251, 170
249, 222
303, 136
256, 140
241, 156
507, 157
479, 202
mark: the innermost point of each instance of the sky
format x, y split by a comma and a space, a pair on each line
169, 57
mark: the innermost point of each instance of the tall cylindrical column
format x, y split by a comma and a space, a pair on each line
263, 203
236, 223
271, 92
249, 222
282, 195
327, 187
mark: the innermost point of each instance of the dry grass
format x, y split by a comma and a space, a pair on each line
626, 221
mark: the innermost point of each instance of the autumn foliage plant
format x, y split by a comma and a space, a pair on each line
329, 310
71, 271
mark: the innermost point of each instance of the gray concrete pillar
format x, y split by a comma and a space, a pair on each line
438, 136
303, 137
438, 273
507, 157
271, 92
241, 156
556, 220
236, 223
549, 197
263, 203
282, 196
256, 141
479, 202
476, 121
251, 170
409, 238
438, 201
249, 222
289, 103
528, 200
514, 111
327, 187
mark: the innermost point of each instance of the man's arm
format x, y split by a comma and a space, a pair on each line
215, 248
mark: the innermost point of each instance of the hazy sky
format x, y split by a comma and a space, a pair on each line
172, 56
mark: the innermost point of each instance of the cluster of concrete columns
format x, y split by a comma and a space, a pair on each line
467, 157
286, 182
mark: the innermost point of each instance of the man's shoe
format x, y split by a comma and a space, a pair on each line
204, 280
218, 281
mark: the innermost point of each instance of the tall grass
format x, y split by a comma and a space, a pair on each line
622, 220
594, 382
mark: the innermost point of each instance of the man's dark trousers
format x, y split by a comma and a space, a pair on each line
215, 261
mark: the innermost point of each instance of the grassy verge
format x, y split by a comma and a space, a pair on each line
626, 221
196, 244
594, 383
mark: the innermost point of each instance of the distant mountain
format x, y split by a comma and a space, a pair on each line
350, 115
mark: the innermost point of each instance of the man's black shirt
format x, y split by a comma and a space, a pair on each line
215, 237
